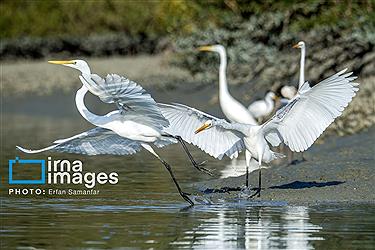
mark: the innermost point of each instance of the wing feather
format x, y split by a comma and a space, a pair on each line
97, 141
305, 117
130, 98
216, 141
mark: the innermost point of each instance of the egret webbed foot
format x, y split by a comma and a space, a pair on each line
185, 196
257, 193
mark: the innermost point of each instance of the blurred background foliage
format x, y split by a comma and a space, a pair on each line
20, 18
258, 36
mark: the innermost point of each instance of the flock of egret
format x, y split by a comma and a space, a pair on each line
139, 122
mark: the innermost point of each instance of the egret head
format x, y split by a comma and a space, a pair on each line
288, 91
206, 125
214, 48
299, 45
271, 95
75, 64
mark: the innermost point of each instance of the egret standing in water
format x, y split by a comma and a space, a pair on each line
298, 124
137, 123
232, 109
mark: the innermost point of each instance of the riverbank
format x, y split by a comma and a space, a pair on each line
340, 170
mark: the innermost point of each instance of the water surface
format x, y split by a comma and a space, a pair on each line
143, 210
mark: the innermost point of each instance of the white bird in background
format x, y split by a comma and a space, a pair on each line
297, 125
301, 45
288, 91
263, 108
233, 110
137, 123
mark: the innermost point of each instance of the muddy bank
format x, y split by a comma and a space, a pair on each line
23, 77
340, 170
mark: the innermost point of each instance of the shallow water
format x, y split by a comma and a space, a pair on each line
143, 210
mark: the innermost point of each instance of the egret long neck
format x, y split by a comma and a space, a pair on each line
80, 103
245, 129
302, 67
223, 86
269, 101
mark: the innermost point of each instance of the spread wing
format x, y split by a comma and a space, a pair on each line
307, 115
216, 141
131, 99
97, 141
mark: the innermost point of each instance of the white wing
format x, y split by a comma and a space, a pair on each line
97, 141
131, 99
310, 112
216, 141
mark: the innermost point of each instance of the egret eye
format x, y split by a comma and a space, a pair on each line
75, 63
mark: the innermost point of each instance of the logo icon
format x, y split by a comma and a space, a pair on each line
26, 163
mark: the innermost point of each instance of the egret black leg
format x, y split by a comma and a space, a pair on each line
195, 164
257, 192
247, 176
183, 194
260, 180
290, 157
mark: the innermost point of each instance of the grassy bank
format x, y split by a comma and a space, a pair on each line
38, 29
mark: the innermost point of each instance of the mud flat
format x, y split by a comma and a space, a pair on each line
340, 170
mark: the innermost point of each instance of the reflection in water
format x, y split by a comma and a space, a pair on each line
253, 228
237, 167
299, 229
143, 210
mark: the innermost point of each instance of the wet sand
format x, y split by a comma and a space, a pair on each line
340, 170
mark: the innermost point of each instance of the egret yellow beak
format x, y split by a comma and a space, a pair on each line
61, 62
275, 98
205, 48
203, 127
296, 46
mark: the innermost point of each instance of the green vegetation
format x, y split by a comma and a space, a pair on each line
42, 28
160, 18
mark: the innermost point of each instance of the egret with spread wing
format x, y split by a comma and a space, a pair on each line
297, 125
137, 123
232, 109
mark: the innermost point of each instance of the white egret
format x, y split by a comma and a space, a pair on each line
137, 123
288, 91
301, 45
233, 110
297, 125
263, 108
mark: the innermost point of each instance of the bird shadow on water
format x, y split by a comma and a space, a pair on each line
307, 184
